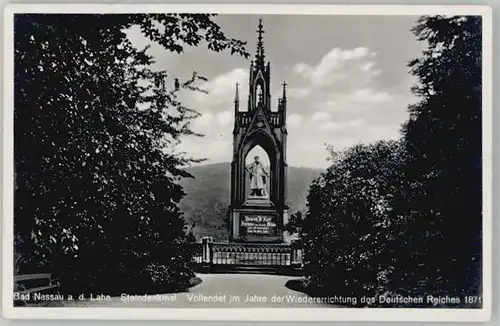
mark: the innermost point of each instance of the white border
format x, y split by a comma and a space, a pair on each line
248, 314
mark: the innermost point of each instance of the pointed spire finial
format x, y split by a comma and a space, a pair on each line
259, 57
237, 100
237, 93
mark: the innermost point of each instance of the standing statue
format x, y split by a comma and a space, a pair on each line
258, 181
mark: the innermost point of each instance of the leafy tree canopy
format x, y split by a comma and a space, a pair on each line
95, 132
405, 217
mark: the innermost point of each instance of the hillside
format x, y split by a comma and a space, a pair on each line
207, 196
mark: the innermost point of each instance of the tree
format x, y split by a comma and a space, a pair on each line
95, 136
294, 225
347, 228
404, 217
441, 198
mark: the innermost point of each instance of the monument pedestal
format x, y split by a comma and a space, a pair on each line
258, 202
258, 223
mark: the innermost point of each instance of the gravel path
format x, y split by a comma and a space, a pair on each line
217, 291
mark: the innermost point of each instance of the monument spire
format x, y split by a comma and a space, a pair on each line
237, 99
284, 91
282, 104
260, 55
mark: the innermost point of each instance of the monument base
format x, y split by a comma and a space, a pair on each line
257, 225
258, 202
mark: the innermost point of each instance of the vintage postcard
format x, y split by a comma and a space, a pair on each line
268, 162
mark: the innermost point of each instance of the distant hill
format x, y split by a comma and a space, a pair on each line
207, 196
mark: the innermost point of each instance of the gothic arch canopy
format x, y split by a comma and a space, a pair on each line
262, 139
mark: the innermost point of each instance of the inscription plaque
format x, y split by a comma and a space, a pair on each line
258, 224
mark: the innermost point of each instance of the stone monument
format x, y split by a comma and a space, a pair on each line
259, 213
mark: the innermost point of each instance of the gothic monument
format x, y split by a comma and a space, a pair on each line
258, 202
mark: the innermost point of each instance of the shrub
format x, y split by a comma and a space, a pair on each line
347, 228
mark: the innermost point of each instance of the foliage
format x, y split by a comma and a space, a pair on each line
347, 228
295, 222
97, 174
442, 195
405, 217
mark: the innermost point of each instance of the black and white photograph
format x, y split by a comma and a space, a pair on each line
328, 162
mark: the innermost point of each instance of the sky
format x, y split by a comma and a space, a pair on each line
348, 81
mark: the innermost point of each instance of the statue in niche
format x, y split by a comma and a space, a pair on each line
258, 179
260, 94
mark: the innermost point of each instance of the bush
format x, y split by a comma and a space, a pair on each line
160, 279
347, 229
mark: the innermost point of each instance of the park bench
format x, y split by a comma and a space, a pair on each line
25, 285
